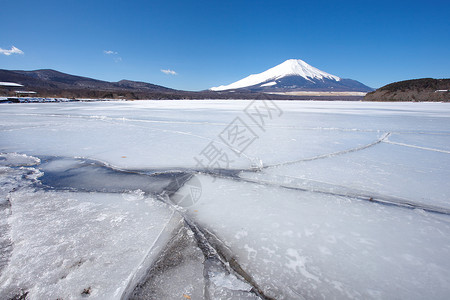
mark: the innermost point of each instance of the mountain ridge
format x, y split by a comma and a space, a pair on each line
64, 80
55, 84
294, 75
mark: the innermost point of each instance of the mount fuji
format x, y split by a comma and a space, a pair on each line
294, 75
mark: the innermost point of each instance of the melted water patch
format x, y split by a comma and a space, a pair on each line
80, 174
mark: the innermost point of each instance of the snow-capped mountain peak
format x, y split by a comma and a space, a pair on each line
299, 67
291, 67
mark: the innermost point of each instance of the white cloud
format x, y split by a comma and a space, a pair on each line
169, 72
13, 50
114, 55
110, 52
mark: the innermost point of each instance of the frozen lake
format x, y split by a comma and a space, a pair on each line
225, 200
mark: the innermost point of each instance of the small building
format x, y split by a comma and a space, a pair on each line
24, 93
6, 88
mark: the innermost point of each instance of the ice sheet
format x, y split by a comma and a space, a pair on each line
312, 224
298, 244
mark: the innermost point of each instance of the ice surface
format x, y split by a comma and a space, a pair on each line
332, 199
169, 134
298, 244
431, 142
417, 175
126, 135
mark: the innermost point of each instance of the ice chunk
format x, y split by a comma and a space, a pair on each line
177, 274
17, 160
66, 245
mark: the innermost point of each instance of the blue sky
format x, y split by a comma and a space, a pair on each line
209, 43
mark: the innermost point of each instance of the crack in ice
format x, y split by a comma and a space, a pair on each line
322, 156
417, 147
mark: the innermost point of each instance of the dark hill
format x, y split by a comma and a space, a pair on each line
425, 89
54, 83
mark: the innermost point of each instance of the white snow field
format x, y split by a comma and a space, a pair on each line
225, 200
